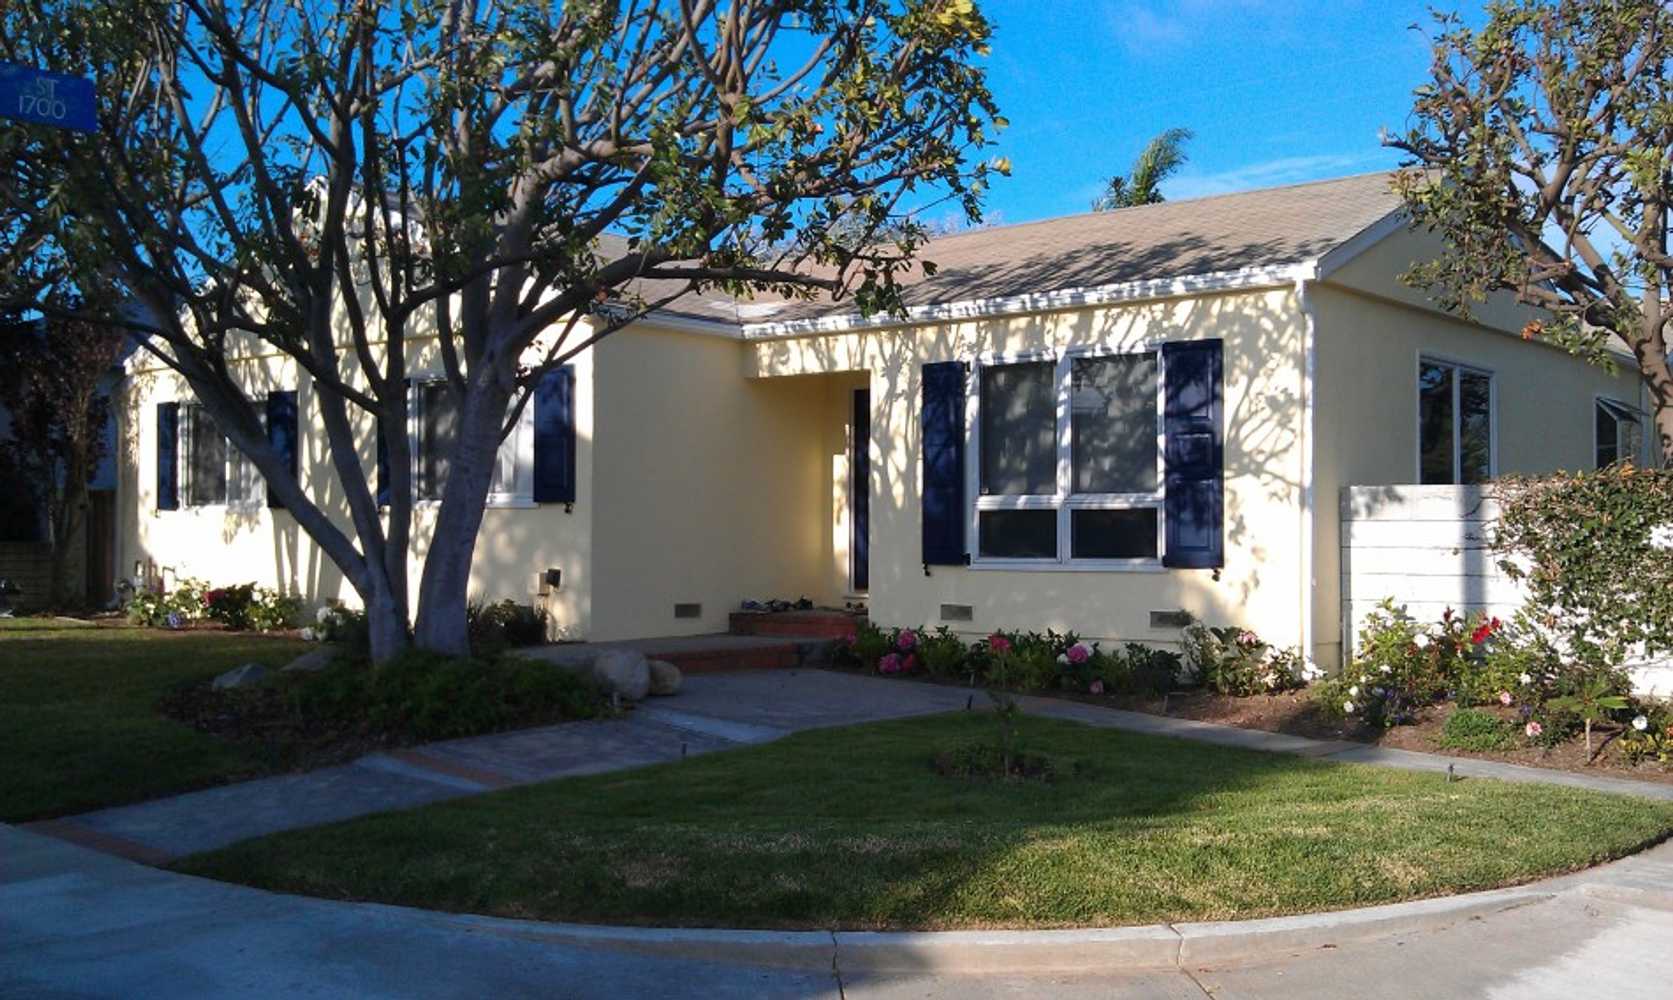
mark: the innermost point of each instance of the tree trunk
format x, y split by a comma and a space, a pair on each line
66, 521
443, 592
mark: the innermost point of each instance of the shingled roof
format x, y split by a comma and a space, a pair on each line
1176, 239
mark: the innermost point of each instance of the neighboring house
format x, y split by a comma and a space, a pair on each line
1089, 423
26, 530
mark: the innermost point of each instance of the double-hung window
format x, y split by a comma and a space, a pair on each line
1619, 433
1454, 423
1067, 466
215, 471
436, 413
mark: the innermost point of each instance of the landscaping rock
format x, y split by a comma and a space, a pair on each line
665, 678
625, 672
248, 675
312, 661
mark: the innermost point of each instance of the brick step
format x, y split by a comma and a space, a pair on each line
709, 661
802, 624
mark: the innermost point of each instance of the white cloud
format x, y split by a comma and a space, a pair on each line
1272, 173
1144, 26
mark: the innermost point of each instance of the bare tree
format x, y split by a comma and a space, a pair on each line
1542, 150
335, 177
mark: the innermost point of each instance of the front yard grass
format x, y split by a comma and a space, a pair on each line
79, 725
852, 828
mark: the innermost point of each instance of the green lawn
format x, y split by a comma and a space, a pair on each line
852, 828
79, 727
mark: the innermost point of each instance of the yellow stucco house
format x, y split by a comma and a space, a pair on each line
1089, 423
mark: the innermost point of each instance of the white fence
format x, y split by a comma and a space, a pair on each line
1426, 547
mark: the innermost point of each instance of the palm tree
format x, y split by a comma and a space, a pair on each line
1141, 185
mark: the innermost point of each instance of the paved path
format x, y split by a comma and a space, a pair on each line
713, 712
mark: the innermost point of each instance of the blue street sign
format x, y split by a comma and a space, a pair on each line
34, 95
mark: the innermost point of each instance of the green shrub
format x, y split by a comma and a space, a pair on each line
494, 628
176, 608
1473, 729
427, 696
272, 610
866, 645
942, 653
1592, 550
230, 605
1236, 661
1151, 671
1402, 666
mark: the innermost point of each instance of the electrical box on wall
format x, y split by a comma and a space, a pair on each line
548, 581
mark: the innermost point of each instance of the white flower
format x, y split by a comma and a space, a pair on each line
1353, 692
1385, 668
1421, 640
1526, 679
1062, 657
1640, 723
1348, 707
309, 635
324, 614
1661, 537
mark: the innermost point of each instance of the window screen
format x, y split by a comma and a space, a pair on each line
1017, 534
206, 458
1112, 414
1128, 533
1019, 429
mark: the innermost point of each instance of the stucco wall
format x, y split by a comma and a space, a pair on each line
225, 545
1369, 339
1259, 585
711, 489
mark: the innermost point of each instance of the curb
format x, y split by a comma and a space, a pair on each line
1088, 950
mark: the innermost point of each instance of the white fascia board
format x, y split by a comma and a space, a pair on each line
1273, 276
690, 324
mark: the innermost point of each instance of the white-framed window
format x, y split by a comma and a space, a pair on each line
435, 423
1065, 466
214, 472
1619, 433
1456, 435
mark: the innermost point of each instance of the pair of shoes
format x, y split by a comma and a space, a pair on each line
804, 605
753, 606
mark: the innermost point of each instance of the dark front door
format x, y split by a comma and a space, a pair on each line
859, 491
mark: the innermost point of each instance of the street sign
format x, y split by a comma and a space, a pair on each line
35, 95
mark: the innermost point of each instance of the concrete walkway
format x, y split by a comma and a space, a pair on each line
713, 712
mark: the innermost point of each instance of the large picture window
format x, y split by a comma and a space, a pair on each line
435, 412
1454, 424
1619, 431
215, 471
1068, 466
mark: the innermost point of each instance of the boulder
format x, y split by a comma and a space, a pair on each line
313, 660
665, 678
248, 675
625, 672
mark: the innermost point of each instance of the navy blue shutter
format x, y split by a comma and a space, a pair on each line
554, 437
943, 444
168, 452
281, 434
1195, 455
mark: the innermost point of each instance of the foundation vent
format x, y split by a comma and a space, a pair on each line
688, 611
1170, 619
957, 612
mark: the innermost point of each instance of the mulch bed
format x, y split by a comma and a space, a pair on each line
258, 718
1294, 713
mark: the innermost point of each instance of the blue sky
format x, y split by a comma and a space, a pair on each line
1277, 92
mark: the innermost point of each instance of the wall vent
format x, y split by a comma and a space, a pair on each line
1170, 619
957, 613
688, 611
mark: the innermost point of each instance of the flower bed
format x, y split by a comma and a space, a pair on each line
1408, 683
